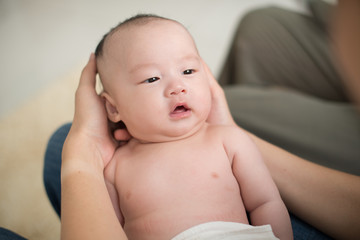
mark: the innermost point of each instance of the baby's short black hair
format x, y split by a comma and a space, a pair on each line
138, 19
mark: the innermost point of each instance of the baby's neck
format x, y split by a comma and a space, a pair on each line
168, 139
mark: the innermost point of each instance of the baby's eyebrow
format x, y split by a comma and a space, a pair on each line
140, 66
191, 57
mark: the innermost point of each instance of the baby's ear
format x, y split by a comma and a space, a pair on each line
112, 112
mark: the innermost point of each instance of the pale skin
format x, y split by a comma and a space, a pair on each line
89, 147
178, 170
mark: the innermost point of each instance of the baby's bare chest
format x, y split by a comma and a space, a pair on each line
158, 176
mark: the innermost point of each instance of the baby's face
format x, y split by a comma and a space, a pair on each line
156, 81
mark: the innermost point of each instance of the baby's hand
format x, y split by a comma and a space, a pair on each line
219, 113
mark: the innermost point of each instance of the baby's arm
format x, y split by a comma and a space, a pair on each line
259, 192
109, 175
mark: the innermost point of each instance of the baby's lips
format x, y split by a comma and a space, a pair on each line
180, 107
180, 110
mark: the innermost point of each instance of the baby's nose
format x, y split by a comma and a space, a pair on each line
176, 89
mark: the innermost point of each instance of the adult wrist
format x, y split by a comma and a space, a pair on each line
72, 167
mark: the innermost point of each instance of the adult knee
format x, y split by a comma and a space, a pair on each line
258, 22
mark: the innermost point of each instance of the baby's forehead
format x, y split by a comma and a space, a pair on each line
131, 33
129, 30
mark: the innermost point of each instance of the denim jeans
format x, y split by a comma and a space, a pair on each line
6, 234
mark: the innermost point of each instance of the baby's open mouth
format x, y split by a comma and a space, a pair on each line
180, 109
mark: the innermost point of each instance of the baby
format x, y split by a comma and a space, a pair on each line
179, 177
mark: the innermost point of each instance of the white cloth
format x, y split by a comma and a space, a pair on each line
226, 230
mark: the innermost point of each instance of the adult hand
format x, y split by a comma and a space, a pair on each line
87, 150
89, 145
220, 112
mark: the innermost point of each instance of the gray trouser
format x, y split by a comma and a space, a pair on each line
282, 84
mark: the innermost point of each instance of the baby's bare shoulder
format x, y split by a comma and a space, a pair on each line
110, 168
233, 138
228, 131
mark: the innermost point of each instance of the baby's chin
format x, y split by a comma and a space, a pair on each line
160, 139
174, 135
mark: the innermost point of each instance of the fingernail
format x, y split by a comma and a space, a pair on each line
91, 56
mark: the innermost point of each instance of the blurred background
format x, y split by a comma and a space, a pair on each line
44, 44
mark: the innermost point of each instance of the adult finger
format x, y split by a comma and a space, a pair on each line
119, 131
88, 74
122, 135
220, 112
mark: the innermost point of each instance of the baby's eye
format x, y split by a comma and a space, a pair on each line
188, 71
151, 80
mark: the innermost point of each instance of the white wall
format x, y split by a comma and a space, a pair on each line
42, 40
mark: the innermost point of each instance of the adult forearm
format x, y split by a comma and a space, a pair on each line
325, 198
275, 213
86, 208
87, 212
